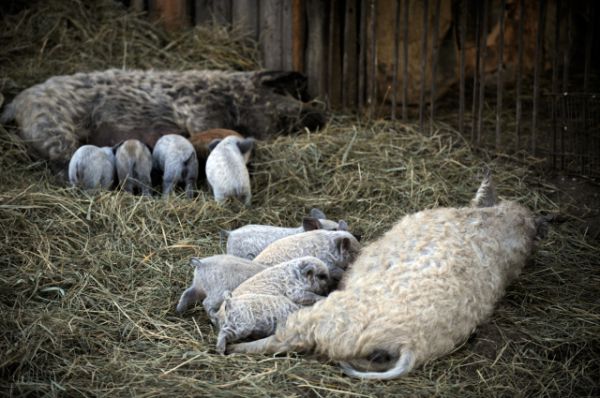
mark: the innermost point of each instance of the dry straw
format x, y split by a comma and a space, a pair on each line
89, 284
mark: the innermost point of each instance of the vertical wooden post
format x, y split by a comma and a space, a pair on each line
372, 56
405, 60
539, 49
270, 33
297, 36
203, 12
519, 76
362, 56
483, 43
395, 57
334, 57
244, 16
423, 62
434, 61
138, 5
173, 13
500, 72
461, 93
350, 57
316, 47
557, 18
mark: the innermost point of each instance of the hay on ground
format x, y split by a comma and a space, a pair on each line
89, 283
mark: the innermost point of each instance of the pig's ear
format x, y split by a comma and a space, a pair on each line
317, 213
343, 244
311, 223
213, 144
342, 225
115, 147
245, 145
195, 262
284, 82
308, 269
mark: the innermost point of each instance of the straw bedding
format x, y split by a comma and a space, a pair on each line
88, 284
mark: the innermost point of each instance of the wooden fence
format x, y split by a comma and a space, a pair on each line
517, 75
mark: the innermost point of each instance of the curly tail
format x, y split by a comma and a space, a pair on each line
403, 365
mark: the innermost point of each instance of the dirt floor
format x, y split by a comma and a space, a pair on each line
89, 283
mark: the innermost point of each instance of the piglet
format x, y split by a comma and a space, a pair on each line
249, 240
226, 169
265, 300
337, 249
92, 167
175, 156
134, 166
212, 277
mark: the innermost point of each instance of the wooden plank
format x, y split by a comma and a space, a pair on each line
500, 82
539, 48
405, 60
138, 5
286, 28
483, 43
298, 37
395, 60
203, 12
519, 76
372, 58
423, 62
362, 56
434, 62
270, 39
334, 57
222, 12
174, 14
244, 16
316, 47
461, 93
350, 56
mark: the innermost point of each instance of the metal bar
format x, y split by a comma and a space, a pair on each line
500, 82
476, 72
536, 72
395, 61
519, 76
362, 55
462, 39
435, 50
483, 44
423, 62
373, 28
405, 60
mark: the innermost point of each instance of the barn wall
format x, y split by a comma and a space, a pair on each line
487, 61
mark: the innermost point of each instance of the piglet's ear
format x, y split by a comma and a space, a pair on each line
343, 244
246, 145
213, 144
310, 224
195, 262
317, 213
342, 225
308, 269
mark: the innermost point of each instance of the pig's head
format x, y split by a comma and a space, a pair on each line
278, 103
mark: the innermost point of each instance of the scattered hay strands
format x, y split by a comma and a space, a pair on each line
89, 283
